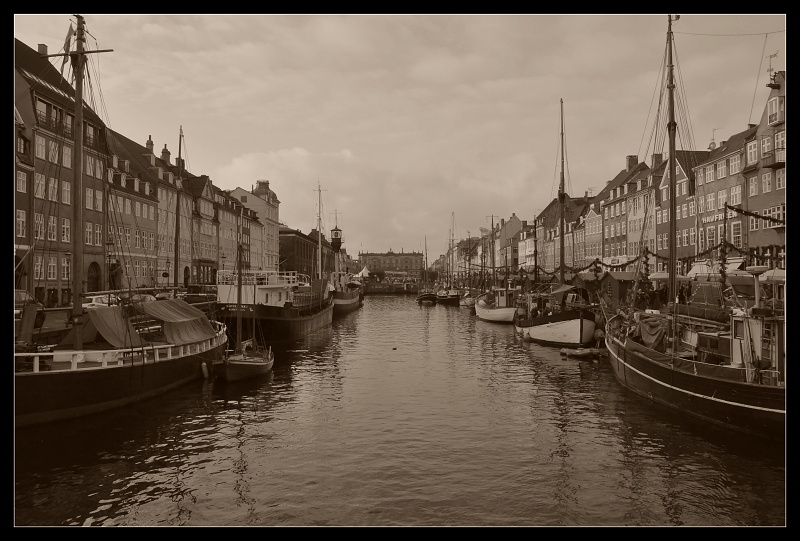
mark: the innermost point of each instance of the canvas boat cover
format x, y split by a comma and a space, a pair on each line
180, 322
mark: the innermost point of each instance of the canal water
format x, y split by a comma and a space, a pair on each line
400, 415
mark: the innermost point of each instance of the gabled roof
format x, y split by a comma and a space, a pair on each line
46, 80
734, 143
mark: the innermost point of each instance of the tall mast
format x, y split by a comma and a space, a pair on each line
178, 188
239, 284
78, 60
671, 127
561, 197
319, 234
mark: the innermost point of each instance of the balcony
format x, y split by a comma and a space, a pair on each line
775, 159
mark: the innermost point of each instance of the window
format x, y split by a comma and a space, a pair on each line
660, 244
66, 157
138, 207
51, 268
38, 226
722, 169
98, 168
136, 268
22, 182
127, 206
780, 179
700, 239
766, 182
686, 237
89, 198
119, 236
89, 233
692, 236
710, 202
136, 239
89, 162
152, 212
606, 232
37, 267
65, 236
52, 189
691, 208
722, 199
721, 232
753, 186
152, 240
120, 205
127, 236
65, 264
21, 223
666, 215
51, 228
710, 236
735, 164
780, 146
40, 144
753, 224
701, 204
775, 109
736, 234
38, 185
766, 145
136, 184
53, 156
709, 173
98, 200
98, 235
736, 194
752, 152
90, 140
65, 192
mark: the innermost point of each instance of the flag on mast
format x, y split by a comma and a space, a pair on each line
67, 43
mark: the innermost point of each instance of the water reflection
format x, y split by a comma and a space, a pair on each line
399, 414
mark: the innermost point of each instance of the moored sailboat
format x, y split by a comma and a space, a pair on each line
564, 324
729, 372
109, 356
426, 294
288, 306
347, 293
248, 358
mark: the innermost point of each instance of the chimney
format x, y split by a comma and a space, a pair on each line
149, 144
657, 159
630, 162
165, 154
42, 49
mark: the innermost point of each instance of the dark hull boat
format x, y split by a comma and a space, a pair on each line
345, 302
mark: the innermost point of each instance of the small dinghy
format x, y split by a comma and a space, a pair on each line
583, 352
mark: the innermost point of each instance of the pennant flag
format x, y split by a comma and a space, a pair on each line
67, 43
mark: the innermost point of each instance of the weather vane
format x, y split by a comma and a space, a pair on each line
769, 69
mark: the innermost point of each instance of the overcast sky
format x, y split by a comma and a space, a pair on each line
409, 123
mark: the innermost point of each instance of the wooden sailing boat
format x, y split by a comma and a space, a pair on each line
248, 359
107, 359
426, 295
499, 303
448, 294
347, 293
288, 305
568, 320
732, 376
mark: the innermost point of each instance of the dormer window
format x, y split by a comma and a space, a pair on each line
127, 166
775, 110
136, 184
170, 177
147, 188
638, 185
122, 180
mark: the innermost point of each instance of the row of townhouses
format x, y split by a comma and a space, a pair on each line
730, 206
146, 220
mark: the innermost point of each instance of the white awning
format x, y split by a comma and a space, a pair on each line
712, 267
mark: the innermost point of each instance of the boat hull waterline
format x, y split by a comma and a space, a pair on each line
49, 391
758, 410
565, 329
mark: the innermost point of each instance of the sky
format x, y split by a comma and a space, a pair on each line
415, 129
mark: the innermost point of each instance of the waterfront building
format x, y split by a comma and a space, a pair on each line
409, 262
299, 252
265, 203
44, 168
